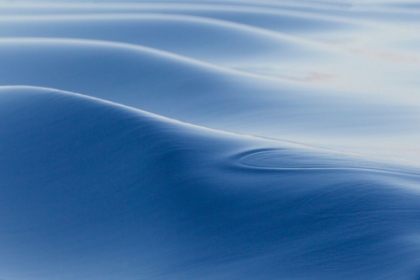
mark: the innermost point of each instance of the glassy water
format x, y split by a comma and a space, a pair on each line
213, 140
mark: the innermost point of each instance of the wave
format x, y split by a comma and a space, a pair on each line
225, 41
209, 140
189, 90
110, 192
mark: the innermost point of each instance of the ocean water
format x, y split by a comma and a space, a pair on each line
211, 140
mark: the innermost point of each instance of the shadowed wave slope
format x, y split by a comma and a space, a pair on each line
111, 192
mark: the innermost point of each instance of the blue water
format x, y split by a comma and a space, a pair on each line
211, 140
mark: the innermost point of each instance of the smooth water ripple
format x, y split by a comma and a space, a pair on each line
213, 140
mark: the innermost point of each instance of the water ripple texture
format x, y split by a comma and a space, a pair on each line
213, 140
